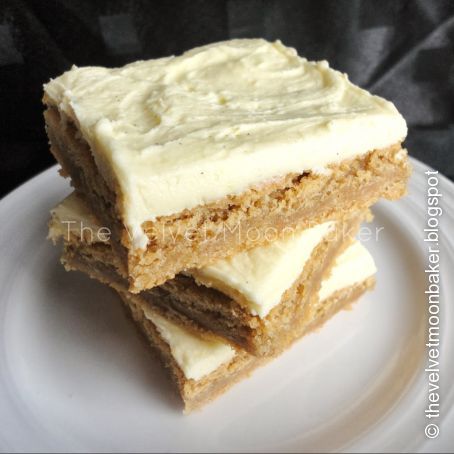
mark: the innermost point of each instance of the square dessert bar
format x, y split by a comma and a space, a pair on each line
195, 158
202, 368
256, 299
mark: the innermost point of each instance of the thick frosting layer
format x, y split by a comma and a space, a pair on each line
353, 266
74, 216
197, 357
183, 131
263, 274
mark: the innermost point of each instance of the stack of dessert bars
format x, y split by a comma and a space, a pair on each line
219, 194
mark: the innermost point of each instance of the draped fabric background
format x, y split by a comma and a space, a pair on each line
403, 50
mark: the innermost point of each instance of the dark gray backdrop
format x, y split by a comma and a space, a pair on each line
403, 50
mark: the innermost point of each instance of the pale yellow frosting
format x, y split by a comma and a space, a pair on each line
183, 131
263, 274
353, 266
74, 217
195, 355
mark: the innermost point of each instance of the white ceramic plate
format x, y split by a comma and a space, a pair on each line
75, 376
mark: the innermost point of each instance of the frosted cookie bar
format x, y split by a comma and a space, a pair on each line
202, 369
256, 299
194, 158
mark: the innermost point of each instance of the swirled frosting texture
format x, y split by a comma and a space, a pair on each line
183, 131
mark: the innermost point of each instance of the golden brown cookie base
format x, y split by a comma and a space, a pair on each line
210, 311
205, 234
196, 393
